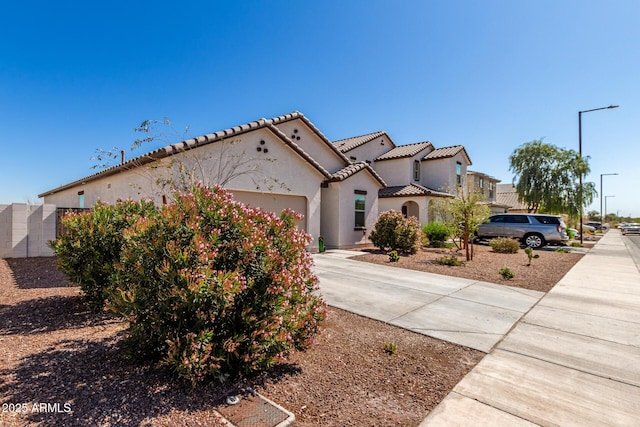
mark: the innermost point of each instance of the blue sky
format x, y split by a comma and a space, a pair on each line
490, 75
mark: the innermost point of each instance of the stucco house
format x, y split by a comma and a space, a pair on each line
415, 173
488, 186
286, 162
278, 163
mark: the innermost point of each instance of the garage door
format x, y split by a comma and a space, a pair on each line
275, 203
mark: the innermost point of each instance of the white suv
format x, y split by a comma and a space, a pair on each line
534, 230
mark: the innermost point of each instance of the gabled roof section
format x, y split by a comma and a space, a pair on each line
199, 141
508, 195
353, 169
410, 190
482, 175
348, 144
298, 115
408, 150
447, 152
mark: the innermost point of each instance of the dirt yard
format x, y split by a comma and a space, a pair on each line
53, 351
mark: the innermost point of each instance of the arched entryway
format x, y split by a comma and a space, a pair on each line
411, 208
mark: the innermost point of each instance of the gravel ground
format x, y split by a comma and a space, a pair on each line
53, 350
543, 273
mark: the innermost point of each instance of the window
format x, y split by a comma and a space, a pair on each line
481, 183
81, 199
416, 170
359, 208
490, 189
459, 173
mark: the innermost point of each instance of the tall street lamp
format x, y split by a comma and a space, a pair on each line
602, 195
605, 204
580, 153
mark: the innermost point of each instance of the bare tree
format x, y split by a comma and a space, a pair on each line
188, 165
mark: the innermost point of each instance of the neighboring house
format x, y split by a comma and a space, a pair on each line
284, 162
415, 173
488, 186
508, 196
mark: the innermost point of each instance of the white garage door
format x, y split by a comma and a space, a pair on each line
274, 203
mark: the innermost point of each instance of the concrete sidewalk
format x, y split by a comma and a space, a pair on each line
573, 360
462, 311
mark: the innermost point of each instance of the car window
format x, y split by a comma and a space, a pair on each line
547, 219
518, 219
497, 218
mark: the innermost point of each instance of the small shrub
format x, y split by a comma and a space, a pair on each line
92, 243
504, 245
576, 245
450, 260
393, 256
562, 250
437, 233
507, 273
529, 251
391, 348
571, 233
214, 288
395, 232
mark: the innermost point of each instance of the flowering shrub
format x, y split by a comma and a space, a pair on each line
215, 288
395, 232
92, 242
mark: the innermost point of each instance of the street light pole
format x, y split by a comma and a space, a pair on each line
601, 197
605, 204
580, 153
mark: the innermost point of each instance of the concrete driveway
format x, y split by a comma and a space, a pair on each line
462, 311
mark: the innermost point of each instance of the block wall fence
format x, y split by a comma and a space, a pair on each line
26, 229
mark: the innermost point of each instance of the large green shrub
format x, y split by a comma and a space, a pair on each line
395, 232
437, 233
504, 245
214, 288
92, 242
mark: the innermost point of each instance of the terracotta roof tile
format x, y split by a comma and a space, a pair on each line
354, 168
405, 151
410, 190
443, 153
507, 195
349, 144
179, 147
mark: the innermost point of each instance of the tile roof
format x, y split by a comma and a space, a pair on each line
410, 190
507, 195
483, 175
354, 168
188, 144
349, 144
405, 151
314, 129
446, 152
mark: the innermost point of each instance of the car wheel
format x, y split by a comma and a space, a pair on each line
534, 241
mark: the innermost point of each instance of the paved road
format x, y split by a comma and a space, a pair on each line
462, 311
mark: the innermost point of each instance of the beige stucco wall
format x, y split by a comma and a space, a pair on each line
371, 150
339, 210
312, 144
440, 174
395, 171
395, 203
294, 175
